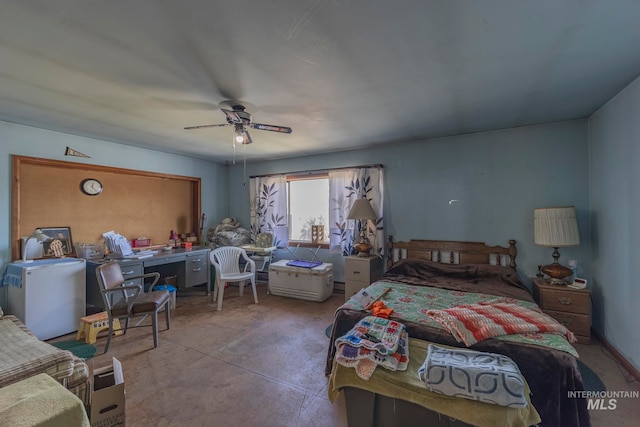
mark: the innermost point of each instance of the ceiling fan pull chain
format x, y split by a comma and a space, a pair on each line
244, 173
234, 150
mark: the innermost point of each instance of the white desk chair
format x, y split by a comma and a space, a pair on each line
226, 261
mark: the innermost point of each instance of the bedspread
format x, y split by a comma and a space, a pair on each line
408, 386
547, 361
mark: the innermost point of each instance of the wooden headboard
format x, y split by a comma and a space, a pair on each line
468, 252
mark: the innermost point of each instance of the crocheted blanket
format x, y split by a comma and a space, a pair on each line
373, 342
476, 322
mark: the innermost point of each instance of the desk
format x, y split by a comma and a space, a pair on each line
191, 267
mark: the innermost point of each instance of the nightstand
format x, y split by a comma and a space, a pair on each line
360, 272
571, 307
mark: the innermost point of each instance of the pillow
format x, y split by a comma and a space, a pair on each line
469, 374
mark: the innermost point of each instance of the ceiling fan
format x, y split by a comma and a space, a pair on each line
240, 119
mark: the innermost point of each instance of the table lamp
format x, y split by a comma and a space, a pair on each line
362, 211
556, 227
33, 244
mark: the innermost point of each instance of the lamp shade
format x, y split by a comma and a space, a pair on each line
556, 227
362, 209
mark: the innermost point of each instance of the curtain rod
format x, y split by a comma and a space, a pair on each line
378, 165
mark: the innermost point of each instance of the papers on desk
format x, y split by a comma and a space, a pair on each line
141, 254
117, 244
121, 248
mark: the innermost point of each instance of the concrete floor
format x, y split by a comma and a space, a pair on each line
260, 365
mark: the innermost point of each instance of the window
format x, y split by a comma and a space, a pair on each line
307, 205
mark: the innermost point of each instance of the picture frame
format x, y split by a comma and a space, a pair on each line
59, 243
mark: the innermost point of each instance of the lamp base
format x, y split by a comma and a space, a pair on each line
363, 248
556, 273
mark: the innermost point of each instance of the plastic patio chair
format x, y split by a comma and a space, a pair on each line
226, 261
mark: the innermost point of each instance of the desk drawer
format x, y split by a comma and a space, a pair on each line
131, 270
197, 269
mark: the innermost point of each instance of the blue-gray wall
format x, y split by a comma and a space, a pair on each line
29, 141
615, 221
498, 177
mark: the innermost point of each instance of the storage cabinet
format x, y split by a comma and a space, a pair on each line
360, 272
571, 307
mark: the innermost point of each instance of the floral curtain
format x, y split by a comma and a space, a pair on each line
345, 187
269, 207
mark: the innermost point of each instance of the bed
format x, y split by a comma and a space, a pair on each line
427, 274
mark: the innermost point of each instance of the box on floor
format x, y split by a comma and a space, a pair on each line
107, 401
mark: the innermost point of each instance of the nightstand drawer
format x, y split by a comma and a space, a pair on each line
566, 301
358, 271
364, 269
579, 324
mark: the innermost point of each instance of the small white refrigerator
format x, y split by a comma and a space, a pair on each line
48, 296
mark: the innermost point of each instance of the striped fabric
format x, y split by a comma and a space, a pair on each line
23, 355
476, 322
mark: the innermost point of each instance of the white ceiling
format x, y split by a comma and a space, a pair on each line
341, 73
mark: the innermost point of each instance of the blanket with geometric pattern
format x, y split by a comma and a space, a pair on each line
473, 323
475, 375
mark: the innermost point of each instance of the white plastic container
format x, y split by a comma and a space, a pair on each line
312, 284
90, 251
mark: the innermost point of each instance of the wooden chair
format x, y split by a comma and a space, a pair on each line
131, 301
226, 261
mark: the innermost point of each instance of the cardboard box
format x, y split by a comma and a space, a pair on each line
107, 396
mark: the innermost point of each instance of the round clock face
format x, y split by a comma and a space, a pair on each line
91, 186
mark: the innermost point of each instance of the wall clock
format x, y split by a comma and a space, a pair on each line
91, 187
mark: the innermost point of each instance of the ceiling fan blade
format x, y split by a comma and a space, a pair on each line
207, 126
272, 128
